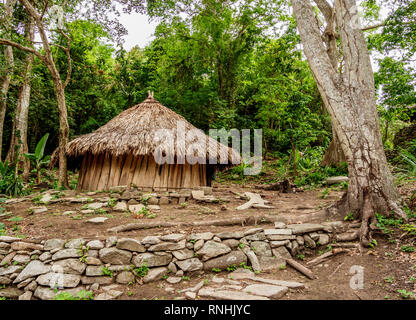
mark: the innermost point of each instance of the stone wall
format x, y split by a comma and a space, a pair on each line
42, 269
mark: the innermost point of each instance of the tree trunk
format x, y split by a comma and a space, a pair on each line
5, 79
20, 124
350, 100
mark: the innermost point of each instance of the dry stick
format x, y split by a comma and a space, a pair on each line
336, 269
302, 269
324, 256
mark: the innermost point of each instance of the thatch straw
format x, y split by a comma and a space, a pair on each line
133, 132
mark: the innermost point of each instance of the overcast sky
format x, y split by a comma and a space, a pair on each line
139, 28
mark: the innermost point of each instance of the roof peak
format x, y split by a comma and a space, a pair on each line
150, 94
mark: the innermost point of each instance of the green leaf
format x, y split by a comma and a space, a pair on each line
40, 148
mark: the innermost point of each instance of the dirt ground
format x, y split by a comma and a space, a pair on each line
385, 268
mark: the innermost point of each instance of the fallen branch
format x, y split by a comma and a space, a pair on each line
302, 269
325, 256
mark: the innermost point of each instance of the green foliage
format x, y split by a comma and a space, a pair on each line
106, 272
10, 183
141, 271
82, 295
38, 158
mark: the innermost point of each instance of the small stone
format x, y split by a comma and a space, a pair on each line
256, 237
96, 205
152, 260
252, 231
198, 244
276, 244
232, 243
31, 286
261, 248
314, 236
69, 212
172, 267
183, 254
66, 253
21, 258
190, 295
94, 287
26, 296
269, 232
100, 280
120, 206
136, 208
168, 246
228, 295
212, 249
150, 240
192, 264
94, 271
125, 277
173, 280
130, 244
230, 235
179, 273
5, 280
201, 236
24, 283
266, 290
10, 292
93, 261
323, 239
175, 237
309, 242
38, 210
109, 295
97, 220
110, 242
155, 274
300, 240
75, 243
52, 244
95, 245
115, 256
279, 225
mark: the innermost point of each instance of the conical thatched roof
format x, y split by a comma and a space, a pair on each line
133, 132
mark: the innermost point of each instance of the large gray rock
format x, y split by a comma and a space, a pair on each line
53, 244
5, 280
75, 243
45, 293
94, 271
281, 253
151, 240
256, 237
192, 264
168, 246
20, 245
305, 228
95, 244
201, 236
71, 266
120, 206
212, 249
175, 237
32, 269
254, 261
230, 235
234, 258
152, 260
115, 256
10, 292
130, 244
9, 270
59, 280
309, 243
261, 248
266, 290
125, 277
100, 280
65, 254
183, 254
155, 274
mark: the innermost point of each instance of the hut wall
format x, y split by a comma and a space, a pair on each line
101, 172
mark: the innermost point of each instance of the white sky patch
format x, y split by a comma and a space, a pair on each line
140, 30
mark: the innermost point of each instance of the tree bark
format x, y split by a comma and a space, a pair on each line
350, 100
6, 78
20, 124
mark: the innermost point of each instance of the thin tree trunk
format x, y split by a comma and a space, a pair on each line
20, 124
5, 79
350, 100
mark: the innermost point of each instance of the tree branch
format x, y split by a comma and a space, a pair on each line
21, 47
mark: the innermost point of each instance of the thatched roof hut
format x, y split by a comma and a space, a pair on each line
122, 152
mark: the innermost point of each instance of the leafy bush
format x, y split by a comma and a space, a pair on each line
10, 183
38, 158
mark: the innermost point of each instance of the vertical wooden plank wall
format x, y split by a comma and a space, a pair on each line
100, 172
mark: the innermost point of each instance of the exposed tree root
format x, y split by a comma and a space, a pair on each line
221, 222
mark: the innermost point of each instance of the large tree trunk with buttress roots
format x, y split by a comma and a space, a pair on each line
350, 100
